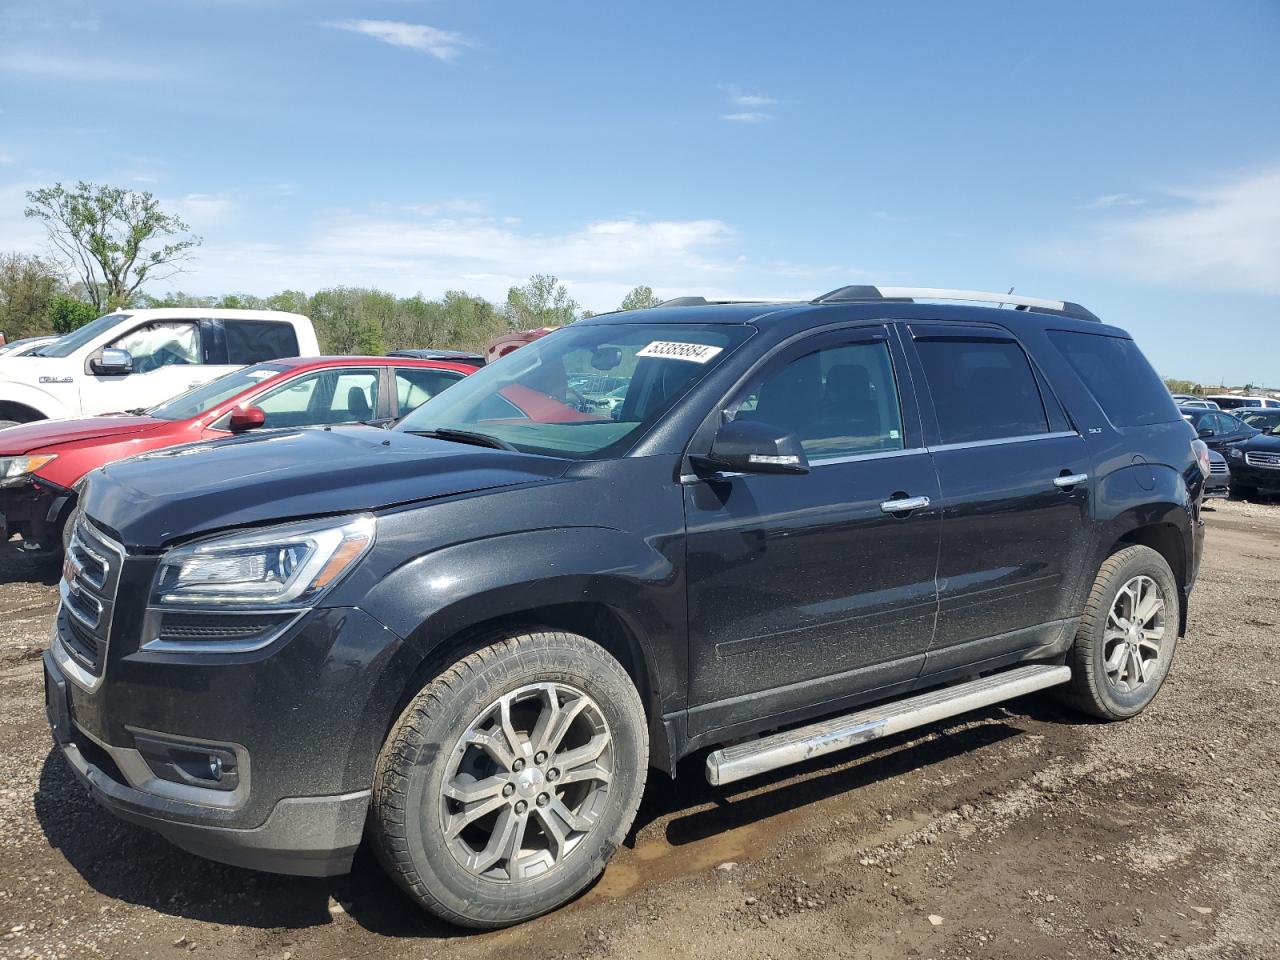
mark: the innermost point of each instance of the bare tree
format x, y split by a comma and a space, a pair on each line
114, 240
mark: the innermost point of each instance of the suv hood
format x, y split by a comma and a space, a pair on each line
279, 475
42, 434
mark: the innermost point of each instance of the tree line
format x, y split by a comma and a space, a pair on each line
106, 243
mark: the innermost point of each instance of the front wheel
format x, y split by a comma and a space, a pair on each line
1126, 639
510, 779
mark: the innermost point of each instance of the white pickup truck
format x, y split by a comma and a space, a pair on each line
139, 358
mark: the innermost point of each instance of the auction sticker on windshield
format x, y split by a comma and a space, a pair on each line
675, 350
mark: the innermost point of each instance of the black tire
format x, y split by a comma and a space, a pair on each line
409, 779
1241, 491
1091, 689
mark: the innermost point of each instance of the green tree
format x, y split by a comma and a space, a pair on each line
640, 298
114, 240
352, 319
66, 313
27, 285
542, 302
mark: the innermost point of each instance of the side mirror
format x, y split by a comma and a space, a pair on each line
1205, 432
113, 363
246, 418
748, 446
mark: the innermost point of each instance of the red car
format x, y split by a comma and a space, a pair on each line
41, 462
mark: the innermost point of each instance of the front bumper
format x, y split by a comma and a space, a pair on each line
305, 719
1263, 478
32, 507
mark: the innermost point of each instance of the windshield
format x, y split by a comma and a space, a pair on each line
553, 395
73, 341
208, 395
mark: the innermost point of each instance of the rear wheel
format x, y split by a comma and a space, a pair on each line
1126, 639
511, 779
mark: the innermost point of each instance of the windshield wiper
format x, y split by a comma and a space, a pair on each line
464, 436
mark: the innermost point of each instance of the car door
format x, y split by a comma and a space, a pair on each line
1230, 430
1015, 493
168, 359
802, 589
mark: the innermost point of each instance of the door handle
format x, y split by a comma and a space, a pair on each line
1070, 481
904, 505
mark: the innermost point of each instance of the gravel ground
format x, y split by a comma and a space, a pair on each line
1019, 832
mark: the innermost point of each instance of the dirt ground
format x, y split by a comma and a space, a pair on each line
1019, 832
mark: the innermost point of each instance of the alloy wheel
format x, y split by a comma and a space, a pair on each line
526, 782
1134, 635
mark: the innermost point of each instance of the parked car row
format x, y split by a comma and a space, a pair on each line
1246, 448
137, 361
764, 530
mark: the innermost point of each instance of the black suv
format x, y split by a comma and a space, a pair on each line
806, 525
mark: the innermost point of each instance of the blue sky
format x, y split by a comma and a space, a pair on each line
1125, 155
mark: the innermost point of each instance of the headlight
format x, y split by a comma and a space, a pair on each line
14, 468
1235, 453
290, 564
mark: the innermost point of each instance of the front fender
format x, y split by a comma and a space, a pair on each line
436, 596
27, 395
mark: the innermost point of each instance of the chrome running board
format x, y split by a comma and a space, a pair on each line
792, 746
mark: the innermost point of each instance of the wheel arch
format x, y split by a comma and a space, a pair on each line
1169, 540
552, 580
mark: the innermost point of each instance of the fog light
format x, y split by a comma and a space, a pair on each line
212, 766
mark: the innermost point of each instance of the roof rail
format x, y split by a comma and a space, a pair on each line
704, 302
857, 293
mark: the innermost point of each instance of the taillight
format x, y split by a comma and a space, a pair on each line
1201, 453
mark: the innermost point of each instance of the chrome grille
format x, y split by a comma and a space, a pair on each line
1256, 459
1218, 468
90, 580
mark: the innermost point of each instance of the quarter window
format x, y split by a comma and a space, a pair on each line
839, 401
982, 390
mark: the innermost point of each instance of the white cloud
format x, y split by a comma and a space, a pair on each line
1111, 200
89, 68
1225, 237
21, 17
456, 205
749, 104
201, 210
405, 254
441, 44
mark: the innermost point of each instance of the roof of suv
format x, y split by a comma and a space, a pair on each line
772, 312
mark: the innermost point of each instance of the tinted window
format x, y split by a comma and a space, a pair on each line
840, 401
250, 341
416, 385
982, 390
1118, 376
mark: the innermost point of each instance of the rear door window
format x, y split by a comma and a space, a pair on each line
983, 389
416, 385
252, 341
1129, 391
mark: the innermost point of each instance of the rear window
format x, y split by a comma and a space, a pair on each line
1119, 377
252, 341
982, 390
